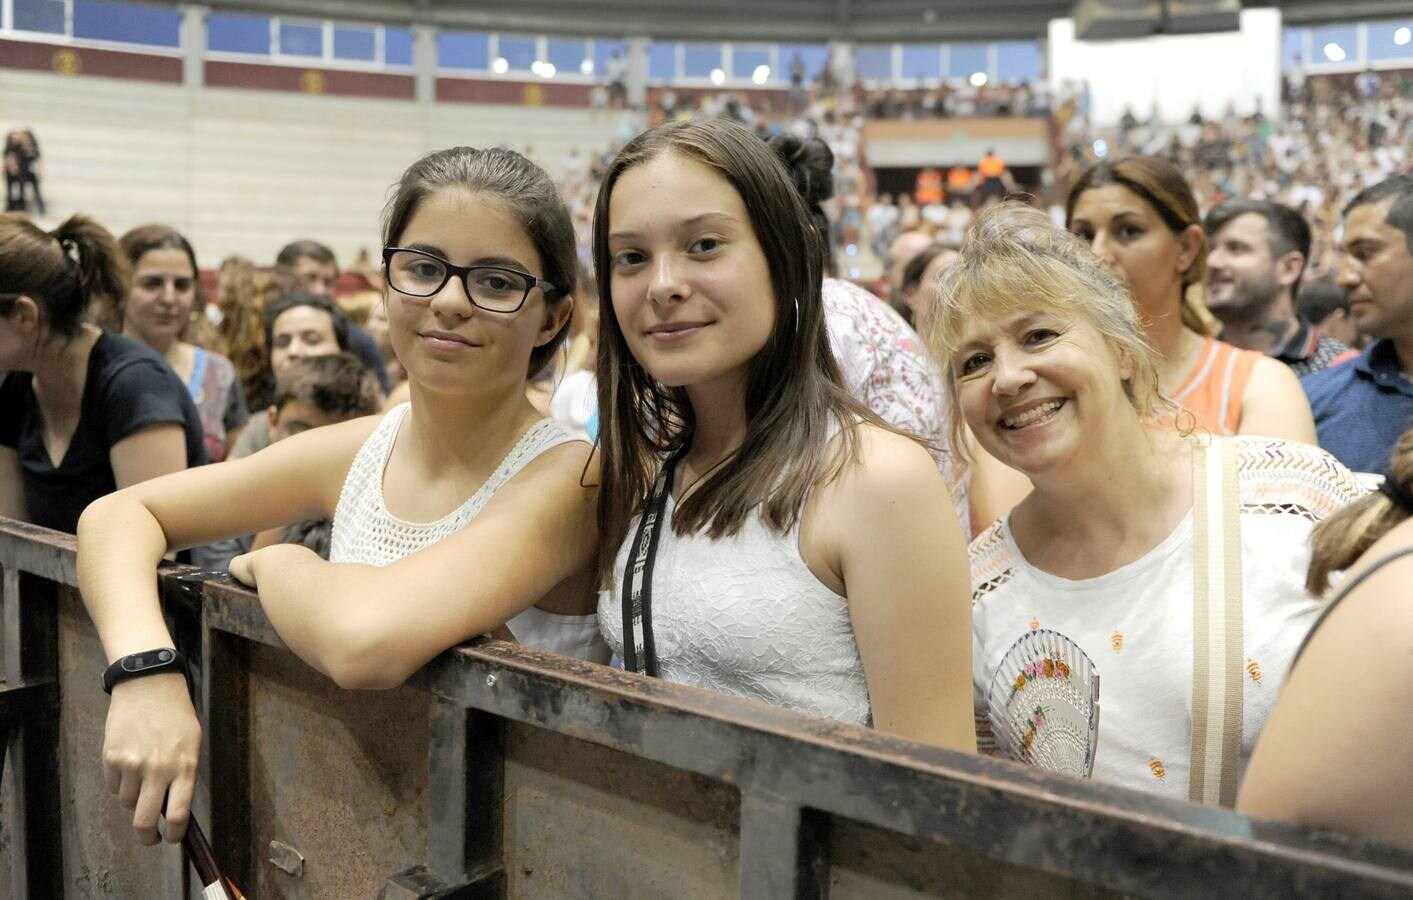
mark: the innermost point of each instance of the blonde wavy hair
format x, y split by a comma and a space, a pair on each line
1013, 258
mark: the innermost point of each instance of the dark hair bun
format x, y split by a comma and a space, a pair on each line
810, 163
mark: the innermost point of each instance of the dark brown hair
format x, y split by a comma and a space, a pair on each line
1341, 539
1163, 187
793, 394
525, 189
338, 385
68, 271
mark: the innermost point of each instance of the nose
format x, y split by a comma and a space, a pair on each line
1010, 372
1349, 275
668, 283
1103, 248
452, 301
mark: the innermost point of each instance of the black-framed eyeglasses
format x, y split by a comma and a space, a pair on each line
417, 273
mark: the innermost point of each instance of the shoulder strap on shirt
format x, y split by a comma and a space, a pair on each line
1344, 591
1216, 626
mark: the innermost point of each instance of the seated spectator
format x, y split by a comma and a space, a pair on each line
1331, 756
159, 309
297, 326
920, 274
83, 412
1362, 408
1257, 257
1049, 368
316, 269
312, 393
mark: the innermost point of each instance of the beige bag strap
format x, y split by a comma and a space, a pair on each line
1216, 626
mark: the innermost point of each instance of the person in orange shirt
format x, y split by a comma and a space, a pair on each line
929, 186
959, 184
996, 181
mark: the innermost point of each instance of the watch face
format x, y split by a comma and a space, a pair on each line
139, 662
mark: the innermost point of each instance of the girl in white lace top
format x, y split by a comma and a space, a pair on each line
452, 515
808, 556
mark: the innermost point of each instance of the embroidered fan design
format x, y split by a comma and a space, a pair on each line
1044, 704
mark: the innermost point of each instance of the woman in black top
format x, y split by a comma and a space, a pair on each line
82, 412
1335, 750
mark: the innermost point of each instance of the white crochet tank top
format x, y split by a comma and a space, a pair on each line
744, 615
364, 531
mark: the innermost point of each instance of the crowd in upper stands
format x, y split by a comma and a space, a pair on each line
1163, 378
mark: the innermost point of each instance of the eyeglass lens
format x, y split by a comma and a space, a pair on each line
418, 275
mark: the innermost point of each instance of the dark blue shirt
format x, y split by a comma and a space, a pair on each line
1362, 407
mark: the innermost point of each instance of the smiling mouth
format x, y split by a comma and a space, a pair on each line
446, 338
1031, 416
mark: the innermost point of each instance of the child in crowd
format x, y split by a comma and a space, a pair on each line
312, 393
799, 551
453, 515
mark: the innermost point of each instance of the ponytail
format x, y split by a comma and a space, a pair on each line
1342, 538
67, 271
103, 270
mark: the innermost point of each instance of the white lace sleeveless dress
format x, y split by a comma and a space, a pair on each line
366, 532
744, 615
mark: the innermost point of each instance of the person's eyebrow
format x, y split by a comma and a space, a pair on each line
684, 225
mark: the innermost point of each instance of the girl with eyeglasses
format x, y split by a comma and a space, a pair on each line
795, 549
452, 515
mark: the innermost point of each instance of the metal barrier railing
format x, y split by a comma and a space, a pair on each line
500, 770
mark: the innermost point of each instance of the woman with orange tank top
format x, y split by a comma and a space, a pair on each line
1139, 215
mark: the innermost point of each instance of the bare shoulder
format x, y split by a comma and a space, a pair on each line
1271, 377
889, 466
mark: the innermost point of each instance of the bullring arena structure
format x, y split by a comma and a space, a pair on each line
494, 767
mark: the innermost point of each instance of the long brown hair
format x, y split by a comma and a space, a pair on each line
1163, 187
1343, 537
793, 395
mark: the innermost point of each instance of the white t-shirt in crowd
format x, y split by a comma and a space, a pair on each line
1135, 622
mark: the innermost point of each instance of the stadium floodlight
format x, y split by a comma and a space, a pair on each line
1334, 52
718, 76
978, 79
501, 65
761, 75
1402, 36
586, 67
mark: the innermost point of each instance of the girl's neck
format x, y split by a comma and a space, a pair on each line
719, 413
456, 433
59, 368
1177, 345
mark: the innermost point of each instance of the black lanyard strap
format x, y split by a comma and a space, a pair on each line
639, 654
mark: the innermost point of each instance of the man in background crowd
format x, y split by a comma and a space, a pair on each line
1258, 256
1325, 305
317, 269
1363, 407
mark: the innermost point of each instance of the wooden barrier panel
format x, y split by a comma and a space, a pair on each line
500, 770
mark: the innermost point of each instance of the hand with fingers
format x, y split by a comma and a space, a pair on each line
150, 751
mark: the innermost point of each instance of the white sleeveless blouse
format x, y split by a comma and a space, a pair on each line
364, 531
744, 615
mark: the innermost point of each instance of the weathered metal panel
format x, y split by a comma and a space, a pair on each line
585, 821
869, 863
339, 776
101, 857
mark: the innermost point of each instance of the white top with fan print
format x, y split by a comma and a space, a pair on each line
1136, 621
366, 532
744, 615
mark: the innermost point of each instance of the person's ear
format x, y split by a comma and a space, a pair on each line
1289, 268
24, 314
272, 416
555, 317
1190, 242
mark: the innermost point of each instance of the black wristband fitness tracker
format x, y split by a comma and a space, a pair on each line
148, 662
